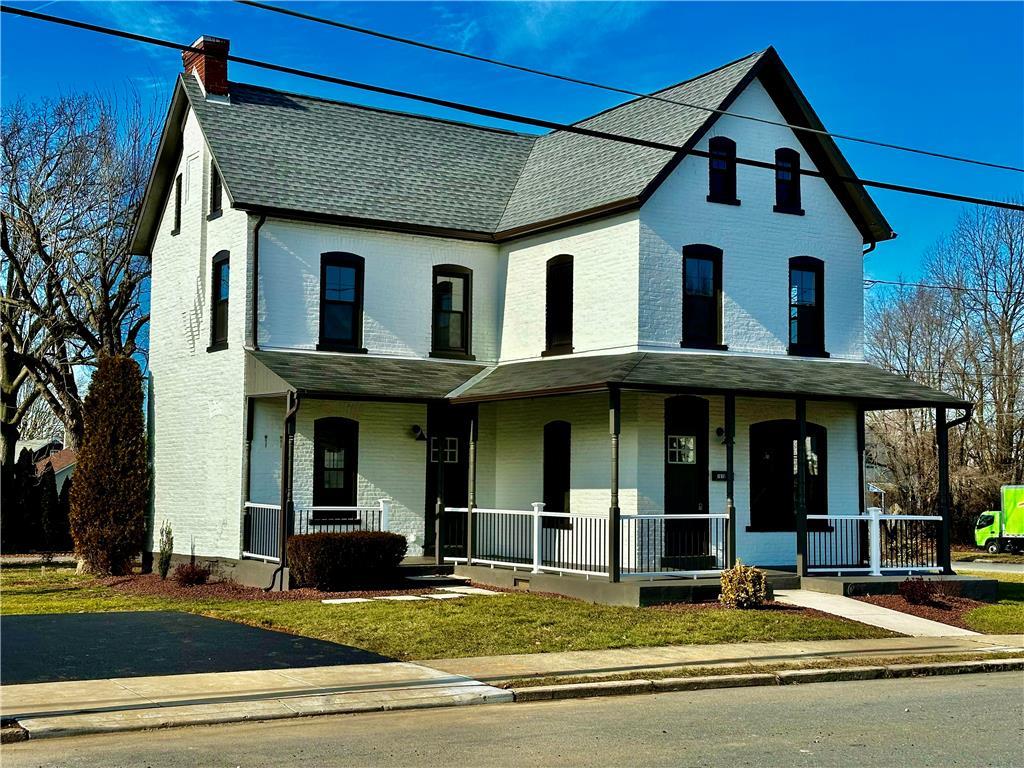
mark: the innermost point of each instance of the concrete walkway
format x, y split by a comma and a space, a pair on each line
866, 613
134, 703
497, 669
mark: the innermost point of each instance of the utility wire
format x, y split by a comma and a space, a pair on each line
492, 113
612, 88
872, 282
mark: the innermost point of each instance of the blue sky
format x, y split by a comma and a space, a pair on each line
943, 76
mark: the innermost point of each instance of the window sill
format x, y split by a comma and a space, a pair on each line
723, 200
699, 345
452, 355
791, 211
802, 352
217, 346
556, 351
329, 346
215, 215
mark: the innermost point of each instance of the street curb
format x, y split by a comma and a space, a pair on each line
11, 734
787, 677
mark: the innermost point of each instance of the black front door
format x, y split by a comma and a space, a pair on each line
447, 473
686, 481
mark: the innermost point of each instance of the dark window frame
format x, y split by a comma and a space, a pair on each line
219, 340
722, 181
557, 430
343, 259
787, 431
216, 193
558, 341
466, 275
177, 205
346, 432
713, 254
816, 346
790, 187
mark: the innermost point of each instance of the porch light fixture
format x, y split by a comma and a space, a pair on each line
418, 433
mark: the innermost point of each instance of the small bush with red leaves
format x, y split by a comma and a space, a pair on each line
917, 590
191, 574
334, 561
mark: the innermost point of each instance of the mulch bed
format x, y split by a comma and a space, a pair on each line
947, 609
151, 584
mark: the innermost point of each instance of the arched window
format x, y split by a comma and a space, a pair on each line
335, 467
558, 312
722, 171
219, 301
787, 181
557, 471
341, 302
452, 311
807, 306
773, 465
702, 296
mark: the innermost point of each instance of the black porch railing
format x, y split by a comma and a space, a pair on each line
262, 524
873, 542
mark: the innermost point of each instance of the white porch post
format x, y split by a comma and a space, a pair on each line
875, 540
385, 514
538, 527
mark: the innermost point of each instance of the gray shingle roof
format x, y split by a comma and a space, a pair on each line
697, 372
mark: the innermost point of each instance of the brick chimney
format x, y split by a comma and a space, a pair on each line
209, 66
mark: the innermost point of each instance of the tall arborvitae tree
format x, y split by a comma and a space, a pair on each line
50, 533
19, 518
111, 491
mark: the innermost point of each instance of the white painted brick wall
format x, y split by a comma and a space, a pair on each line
198, 400
757, 244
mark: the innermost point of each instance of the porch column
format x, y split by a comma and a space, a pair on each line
614, 425
861, 448
730, 483
439, 501
287, 454
942, 438
801, 487
471, 495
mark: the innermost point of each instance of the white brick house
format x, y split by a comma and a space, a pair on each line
413, 316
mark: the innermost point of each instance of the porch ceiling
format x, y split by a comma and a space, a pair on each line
706, 373
321, 374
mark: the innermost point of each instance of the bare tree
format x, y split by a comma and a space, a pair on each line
74, 173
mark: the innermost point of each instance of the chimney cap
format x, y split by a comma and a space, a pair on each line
203, 40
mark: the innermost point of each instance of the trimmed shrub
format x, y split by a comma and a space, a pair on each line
917, 590
743, 586
333, 561
166, 549
110, 496
191, 574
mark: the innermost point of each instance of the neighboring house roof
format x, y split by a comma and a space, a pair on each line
58, 460
707, 373
291, 155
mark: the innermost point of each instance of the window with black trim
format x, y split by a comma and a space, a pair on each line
722, 171
557, 472
702, 297
177, 205
558, 306
341, 302
807, 306
216, 191
787, 181
335, 469
773, 466
452, 312
219, 301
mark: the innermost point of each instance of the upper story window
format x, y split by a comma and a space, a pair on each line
341, 302
787, 181
702, 296
177, 205
557, 472
558, 314
722, 171
216, 192
807, 306
219, 303
452, 311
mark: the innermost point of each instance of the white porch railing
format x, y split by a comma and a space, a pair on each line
873, 543
262, 526
261, 531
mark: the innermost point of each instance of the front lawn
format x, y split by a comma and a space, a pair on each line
974, 554
474, 626
1005, 617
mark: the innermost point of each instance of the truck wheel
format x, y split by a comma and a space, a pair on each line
992, 545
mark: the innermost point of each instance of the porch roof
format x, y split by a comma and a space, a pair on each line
322, 374
780, 376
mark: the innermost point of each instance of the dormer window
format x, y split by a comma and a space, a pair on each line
341, 302
807, 307
722, 171
702, 297
452, 312
787, 181
177, 205
216, 192
558, 315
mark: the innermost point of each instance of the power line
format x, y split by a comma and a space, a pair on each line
496, 114
871, 282
612, 88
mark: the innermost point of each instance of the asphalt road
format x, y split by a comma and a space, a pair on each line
989, 567
968, 720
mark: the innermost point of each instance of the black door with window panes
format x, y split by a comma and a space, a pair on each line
335, 470
447, 475
686, 483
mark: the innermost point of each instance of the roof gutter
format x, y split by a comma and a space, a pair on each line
256, 281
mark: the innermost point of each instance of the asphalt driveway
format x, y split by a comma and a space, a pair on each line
94, 646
